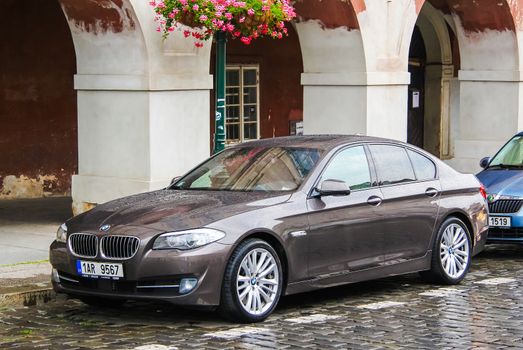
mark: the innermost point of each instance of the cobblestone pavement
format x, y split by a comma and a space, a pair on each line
485, 311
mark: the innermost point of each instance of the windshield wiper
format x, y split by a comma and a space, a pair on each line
506, 166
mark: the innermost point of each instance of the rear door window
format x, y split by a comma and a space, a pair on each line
423, 167
392, 164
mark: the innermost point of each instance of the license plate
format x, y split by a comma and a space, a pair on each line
499, 221
99, 269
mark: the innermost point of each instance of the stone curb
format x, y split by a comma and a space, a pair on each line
29, 297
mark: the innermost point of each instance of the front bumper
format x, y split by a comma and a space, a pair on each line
509, 235
512, 234
149, 275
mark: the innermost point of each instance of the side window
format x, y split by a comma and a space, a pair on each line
423, 167
392, 164
350, 166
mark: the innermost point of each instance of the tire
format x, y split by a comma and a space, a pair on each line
450, 262
102, 302
243, 283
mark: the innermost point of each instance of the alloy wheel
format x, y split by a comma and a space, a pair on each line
257, 281
454, 251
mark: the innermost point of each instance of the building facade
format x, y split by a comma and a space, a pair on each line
93, 101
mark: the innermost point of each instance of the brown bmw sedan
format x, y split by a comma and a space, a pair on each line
276, 217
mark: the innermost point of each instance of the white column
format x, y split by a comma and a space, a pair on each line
489, 115
373, 104
134, 137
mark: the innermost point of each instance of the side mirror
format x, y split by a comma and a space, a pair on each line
331, 187
484, 162
176, 178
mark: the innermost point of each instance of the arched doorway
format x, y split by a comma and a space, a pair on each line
433, 63
38, 133
264, 96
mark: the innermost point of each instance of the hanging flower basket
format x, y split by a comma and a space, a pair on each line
246, 20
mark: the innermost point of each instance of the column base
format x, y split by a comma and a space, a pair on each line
89, 191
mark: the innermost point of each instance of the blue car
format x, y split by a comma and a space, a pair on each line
503, 180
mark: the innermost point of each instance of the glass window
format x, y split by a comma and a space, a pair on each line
350, 166
511, 155
423, 167
241, 104
252, 169
392, 164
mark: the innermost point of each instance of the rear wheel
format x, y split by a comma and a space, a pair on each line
451, 253
252, 283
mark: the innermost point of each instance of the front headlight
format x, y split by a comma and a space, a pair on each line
61, 234
189, 239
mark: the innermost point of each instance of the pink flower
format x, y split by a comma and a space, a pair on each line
246, 40
242, 19
266, 8
250, 12
152, 3
203, 18
195, 7
186, 33
228, 15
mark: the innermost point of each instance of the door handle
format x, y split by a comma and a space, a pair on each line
374, 200
431, 192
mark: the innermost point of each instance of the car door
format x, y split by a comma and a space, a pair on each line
411, 190
344, 232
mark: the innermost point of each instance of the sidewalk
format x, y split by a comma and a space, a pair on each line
27, 228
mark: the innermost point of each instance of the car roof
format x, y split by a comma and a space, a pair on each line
324, 142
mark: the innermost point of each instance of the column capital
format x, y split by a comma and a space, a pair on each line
490, 75
355, 79
159, 82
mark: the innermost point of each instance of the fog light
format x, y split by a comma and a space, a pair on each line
54, 276
187, 284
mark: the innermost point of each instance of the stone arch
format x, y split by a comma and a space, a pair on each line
486, 91
37, 100
334, 66
141, 100
436, 73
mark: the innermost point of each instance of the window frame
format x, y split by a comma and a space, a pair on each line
241, 68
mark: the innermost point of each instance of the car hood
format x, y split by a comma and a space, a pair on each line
170, 210
507, 182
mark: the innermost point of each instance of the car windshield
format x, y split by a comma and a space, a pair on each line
264, 169
511, 155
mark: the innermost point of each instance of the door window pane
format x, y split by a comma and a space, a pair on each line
423, 167
350, 166
232, 96
233, 114
250, 131
392, 164
233, 77
250, 94
233, 132
249, 77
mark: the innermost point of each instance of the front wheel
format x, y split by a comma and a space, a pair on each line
252, 283
451, 253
